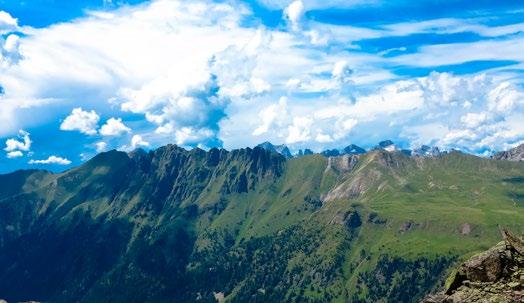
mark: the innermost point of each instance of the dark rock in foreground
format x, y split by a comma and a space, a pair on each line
494, 276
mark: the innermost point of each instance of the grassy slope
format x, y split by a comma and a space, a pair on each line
438, 195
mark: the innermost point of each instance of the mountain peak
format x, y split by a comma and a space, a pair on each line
426, 151
353, 149
281, 149
514, 154
386, 145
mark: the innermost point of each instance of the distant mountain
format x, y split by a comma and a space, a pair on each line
330, 153
426, 151
249, 225
514, 154
305, 152
281, 149
386, 145
353, 149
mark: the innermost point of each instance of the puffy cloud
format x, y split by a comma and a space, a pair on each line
504, 97
83, 121
342, 72
294, 13
138, 141
51, 160
14, 154
100, 146
202, 75
114, 127
192, 136
16, 146
472, 120
9, 51
273, 115
300, 130
7, 23
472, 113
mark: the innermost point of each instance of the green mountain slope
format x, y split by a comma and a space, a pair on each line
248, 225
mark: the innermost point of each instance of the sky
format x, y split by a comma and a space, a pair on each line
81, 77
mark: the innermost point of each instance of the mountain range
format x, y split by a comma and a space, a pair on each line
252, 225
514, 154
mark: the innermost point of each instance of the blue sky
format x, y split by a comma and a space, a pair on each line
80, 77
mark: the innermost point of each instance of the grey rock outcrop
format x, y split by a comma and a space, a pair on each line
514, 154
496, 275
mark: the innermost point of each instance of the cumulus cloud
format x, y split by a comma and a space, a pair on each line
273, 115
300, 130
342, 72
9, 51
138, 141
7, 23
472, 120
51, 160
474, 113
114, 127
294, 13
16, 146
14, 154
100, 146
83, 121
202, 76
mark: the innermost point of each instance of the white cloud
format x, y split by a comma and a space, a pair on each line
294, 13
83, 121
467, 112
300, 130
51, 160
274, 114
199, 74
457, 53
9, 51
323, 138
16, 146
472, 120
114, 127
7, 23
138, 141
14, 154
342, 72
100, 146
191, 136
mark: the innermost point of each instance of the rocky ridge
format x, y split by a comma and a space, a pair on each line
514, 154
494, 276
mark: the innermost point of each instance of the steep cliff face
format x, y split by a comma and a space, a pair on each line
496, 275
249, 225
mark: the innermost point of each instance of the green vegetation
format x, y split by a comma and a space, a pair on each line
182, 226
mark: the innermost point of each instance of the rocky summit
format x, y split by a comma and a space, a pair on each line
514, 154
494, 276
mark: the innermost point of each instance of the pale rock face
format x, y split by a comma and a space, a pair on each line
514, 154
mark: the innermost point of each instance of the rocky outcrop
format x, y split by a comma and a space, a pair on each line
281, 149
514, 154
426, 151
494, 276
350, 219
